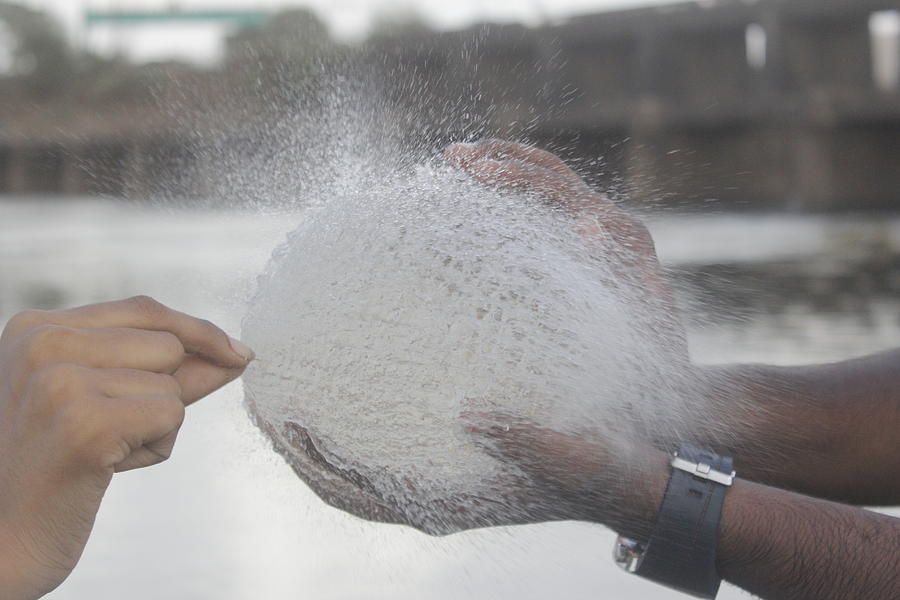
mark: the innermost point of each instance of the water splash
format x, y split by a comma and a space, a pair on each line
407, 296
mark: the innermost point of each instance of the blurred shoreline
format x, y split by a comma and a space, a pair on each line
772, 105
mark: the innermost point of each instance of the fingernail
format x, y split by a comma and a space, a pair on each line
242, 349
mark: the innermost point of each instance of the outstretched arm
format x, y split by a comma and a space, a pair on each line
773, 543
85, 393
830, 430
778, 544
827, 430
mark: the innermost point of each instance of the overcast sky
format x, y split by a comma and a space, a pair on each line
348, 19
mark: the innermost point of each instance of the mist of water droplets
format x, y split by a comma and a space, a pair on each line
407, 296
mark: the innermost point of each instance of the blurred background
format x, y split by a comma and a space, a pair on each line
759, 139
769, 104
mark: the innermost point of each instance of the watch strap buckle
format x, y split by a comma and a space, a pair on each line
702, 470
627, 553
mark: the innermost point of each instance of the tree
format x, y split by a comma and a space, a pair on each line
39, 58
291, 37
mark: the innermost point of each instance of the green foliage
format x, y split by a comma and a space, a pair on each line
389, 24
289, 50
40, 56
295, 36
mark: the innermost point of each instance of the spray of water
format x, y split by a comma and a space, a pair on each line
409, 295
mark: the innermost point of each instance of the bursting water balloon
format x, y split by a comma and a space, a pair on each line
408, 298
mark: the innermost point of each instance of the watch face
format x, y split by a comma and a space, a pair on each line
627, 553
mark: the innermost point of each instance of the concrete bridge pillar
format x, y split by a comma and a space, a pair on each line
811, 185
72, 173
134, 182
17, 170
4, 168
650, 78
643, 150
772, 79
830, 54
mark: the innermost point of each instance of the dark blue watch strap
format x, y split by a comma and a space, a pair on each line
681, 551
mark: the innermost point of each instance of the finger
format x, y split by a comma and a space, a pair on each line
198, 336
143, 422
600, 220
505, 174
149, 454
195, 378
501, 436
113, 348
496, 149
521, 176
198, 378
563, 459
122, 383
504, 151
494, 162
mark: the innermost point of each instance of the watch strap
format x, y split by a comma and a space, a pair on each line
681, 552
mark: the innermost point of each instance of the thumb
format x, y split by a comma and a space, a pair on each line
200, 377
580, 474
550, 457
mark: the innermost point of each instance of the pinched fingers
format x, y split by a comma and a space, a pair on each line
122, 383
137, 333
197, 336
463, 155
113, 348
79, 412
147, 427
197, 377
58, 387
194, 379
118, 434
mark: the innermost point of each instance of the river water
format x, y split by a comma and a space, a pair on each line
225, 518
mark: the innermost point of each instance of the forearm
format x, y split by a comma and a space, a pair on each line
779, 544
774, 543
825, 430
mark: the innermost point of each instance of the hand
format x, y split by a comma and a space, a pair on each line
773, 543
619, 238
572, 477
85, 393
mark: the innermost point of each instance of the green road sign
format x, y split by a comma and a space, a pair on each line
242, 18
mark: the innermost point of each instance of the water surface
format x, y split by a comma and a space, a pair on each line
226, 519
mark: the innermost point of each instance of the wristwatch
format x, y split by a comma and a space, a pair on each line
681, 551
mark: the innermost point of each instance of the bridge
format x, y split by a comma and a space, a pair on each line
766, 104
679, 102
241, 18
